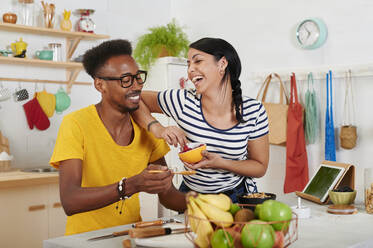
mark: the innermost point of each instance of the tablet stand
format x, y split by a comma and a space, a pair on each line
347, 179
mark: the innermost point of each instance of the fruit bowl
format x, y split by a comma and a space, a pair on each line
251, 200
192, 153
232, 236
215, 221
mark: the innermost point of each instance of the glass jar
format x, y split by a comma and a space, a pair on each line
368, 190
26, 12
57, 52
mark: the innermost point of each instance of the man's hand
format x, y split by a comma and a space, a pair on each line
152, 183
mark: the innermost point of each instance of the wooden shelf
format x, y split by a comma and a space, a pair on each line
51, 32
40, 63
72, 41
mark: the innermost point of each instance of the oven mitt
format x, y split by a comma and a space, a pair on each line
35, 115
47, 102
63, 101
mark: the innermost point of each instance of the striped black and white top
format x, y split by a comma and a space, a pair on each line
184, 106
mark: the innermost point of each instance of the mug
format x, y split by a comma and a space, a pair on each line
44, 54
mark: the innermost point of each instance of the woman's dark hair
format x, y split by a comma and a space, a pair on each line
220, 48
96, 57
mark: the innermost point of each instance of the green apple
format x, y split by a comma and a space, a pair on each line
221, 239
257, 210
257, 234
234, 208
272, 210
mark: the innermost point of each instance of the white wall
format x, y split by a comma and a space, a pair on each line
263, 33
119, 19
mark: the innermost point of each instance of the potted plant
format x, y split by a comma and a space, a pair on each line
161, 41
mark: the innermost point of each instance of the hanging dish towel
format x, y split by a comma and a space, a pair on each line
348, 133
311, 111
329, 123
296, 176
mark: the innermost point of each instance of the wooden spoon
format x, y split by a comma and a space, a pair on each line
190, 172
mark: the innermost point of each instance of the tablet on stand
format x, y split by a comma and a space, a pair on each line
330, 175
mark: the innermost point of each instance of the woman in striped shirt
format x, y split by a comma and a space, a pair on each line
235, 128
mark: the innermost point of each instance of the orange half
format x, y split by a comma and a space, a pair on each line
192, 156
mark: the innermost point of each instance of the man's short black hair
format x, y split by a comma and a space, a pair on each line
96, 57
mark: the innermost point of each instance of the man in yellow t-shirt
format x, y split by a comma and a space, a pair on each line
103, 156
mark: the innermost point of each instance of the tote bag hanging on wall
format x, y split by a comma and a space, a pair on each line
277, 112
329, 123
311, 111
296, 176
348, 133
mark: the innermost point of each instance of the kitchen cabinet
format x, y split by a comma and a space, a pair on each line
30, 214
72, 41
164, 74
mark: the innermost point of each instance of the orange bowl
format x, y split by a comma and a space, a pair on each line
193, 156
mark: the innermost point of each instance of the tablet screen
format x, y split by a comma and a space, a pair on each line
325, 179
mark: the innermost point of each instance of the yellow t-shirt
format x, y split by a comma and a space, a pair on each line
82, 135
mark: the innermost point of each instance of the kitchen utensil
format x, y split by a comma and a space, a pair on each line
153, 223
114, 234
155, 231
85, 23
190, 172
48, 10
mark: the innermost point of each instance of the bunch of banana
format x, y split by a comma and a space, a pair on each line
213, 207
201, 226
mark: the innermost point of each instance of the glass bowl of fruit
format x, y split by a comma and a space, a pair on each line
216, 222
192, 152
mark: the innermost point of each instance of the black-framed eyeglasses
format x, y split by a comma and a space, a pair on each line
126, 80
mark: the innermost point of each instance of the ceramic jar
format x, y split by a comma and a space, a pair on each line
10, 18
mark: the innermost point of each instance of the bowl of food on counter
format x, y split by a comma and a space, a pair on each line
250, 200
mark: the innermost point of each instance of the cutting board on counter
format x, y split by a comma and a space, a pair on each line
166, 241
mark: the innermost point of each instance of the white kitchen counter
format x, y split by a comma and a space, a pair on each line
321, 230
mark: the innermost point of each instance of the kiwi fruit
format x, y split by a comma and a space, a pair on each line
244, 215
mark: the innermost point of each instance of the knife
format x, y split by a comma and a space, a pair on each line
114, 234
154, 231
153, 223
